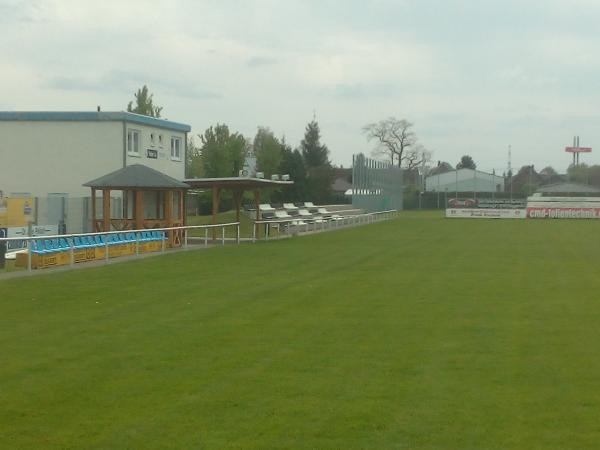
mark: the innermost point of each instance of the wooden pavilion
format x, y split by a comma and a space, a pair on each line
150, 199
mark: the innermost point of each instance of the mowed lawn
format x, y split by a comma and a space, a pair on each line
418, 333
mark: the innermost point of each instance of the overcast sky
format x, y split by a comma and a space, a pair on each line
473, 76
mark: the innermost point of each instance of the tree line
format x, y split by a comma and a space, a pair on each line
220, 152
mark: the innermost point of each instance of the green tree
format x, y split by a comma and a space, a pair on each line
292, 164
193, 165
144, 104
526, 181
223, 153
442, 167
319, 173
594, 175
578, 173
267, 150
549, 175
319, 185
314, 153
466, 162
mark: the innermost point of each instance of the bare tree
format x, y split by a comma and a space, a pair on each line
397, 141
417, 156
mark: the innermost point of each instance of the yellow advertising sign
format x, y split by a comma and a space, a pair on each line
16, 212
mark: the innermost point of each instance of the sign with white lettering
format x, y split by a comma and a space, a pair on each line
562, 213
480, 213
36, 230
151, 153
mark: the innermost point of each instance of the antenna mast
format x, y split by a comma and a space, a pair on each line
510, 174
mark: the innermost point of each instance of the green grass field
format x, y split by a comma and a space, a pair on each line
417, 333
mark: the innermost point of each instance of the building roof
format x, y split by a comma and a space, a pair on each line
136, 176
92, 116
465, 169
341, 184
568, 188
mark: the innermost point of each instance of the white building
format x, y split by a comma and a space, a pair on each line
47, 156
464, 180
45, 153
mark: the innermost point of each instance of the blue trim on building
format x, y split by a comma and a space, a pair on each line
91, 116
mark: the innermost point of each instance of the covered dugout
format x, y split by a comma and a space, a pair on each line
238, 185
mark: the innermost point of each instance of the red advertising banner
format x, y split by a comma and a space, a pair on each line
578, 149
563, 213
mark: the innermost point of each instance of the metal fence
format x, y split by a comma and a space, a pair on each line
292, 227
287, 228
67, 214
72, 247
376, 185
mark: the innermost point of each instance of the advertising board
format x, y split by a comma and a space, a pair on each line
475, 213
563, 207
3, 234
553, 212
36, 230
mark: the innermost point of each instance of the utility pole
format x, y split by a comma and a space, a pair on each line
530, 175
456, 183
510, 170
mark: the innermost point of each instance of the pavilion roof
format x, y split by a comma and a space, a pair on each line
136, 176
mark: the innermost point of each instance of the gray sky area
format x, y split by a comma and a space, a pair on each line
474, 76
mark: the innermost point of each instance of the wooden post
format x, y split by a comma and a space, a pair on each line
105, 209
94, 210
157, 200
182, 215
237, 200
169, 214
139, 209
216, 197
125, 194
257, 203
257, 206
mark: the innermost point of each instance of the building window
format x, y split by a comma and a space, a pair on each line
152, 139
160, 140
176, 148
133, 142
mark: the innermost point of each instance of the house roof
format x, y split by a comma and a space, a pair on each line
136, 176
568, 188
341, 184
92, 116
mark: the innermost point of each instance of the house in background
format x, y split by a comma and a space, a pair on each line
342, 183
568, 189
